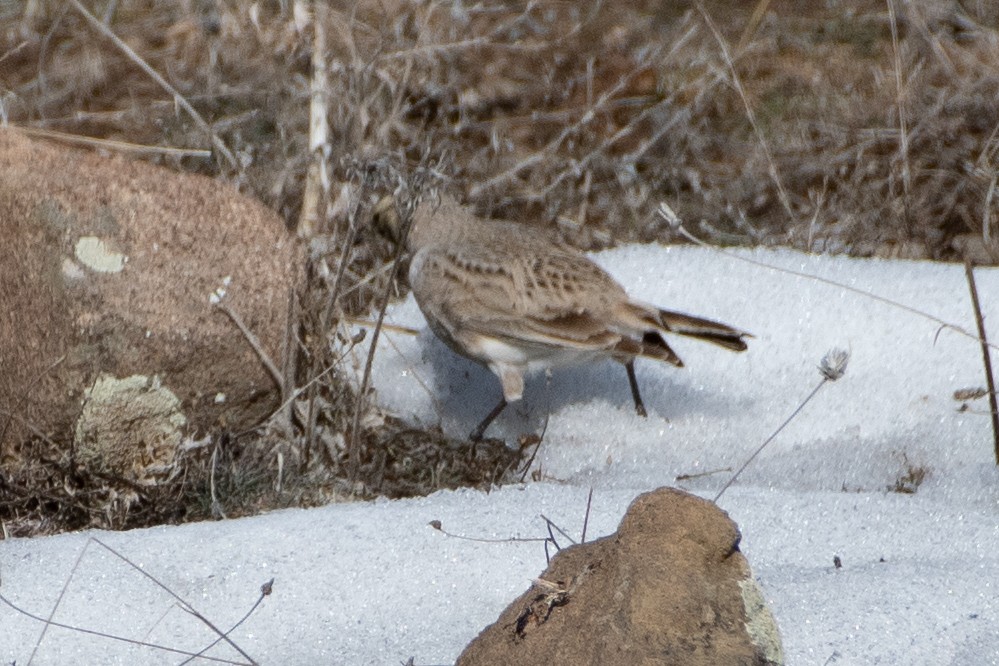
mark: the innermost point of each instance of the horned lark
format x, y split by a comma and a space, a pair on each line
508, 296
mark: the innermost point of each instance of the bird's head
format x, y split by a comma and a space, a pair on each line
386, 219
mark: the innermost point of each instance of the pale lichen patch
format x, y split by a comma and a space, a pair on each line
760, 623
95, 253
130, 427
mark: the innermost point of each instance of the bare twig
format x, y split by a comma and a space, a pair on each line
903, 139
110, 144
275, 373
394, 328
324, 322
13, 51
289, 358
294, 395
671, 217
550, 539
586, 516
540, 440
24, 396
785, 200
752, 25
662, 128
55, 606
223, 636
986, 355
217, 510
436, 524
698, 475
112, 637
917, 17
368, 278
180, 600
536, 158
530, 461
587, 160
155, 76
354, 452
265, 590
347, 242
987, 213
552, 525
35, 430
488, 40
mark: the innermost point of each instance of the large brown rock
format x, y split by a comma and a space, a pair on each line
670, 587
106, 270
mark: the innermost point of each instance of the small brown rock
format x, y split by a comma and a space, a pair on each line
670, 587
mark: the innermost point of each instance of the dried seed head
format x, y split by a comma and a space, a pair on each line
833, 364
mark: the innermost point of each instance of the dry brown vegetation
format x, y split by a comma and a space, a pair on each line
859, 126
584, 114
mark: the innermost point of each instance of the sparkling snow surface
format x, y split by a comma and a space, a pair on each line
371, 583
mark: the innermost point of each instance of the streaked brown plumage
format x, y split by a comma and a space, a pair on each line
510, 297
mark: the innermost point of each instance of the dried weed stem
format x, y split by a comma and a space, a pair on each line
221, 636
671, 218
158, 78
832, 367
986, 355
782, 194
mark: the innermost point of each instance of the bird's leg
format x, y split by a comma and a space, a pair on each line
481, 428
636, 396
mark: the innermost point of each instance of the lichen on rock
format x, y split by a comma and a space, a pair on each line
130, 427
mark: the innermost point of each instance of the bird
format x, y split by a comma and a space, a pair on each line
511, 297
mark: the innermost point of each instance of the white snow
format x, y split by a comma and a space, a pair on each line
372, 583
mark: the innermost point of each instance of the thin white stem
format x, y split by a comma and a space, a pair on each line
770, 438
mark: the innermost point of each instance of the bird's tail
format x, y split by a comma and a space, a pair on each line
715, 332
650, 323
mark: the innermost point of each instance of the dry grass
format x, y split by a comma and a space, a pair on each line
867, 127
584, 115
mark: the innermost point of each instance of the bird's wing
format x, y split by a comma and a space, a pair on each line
528, 294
